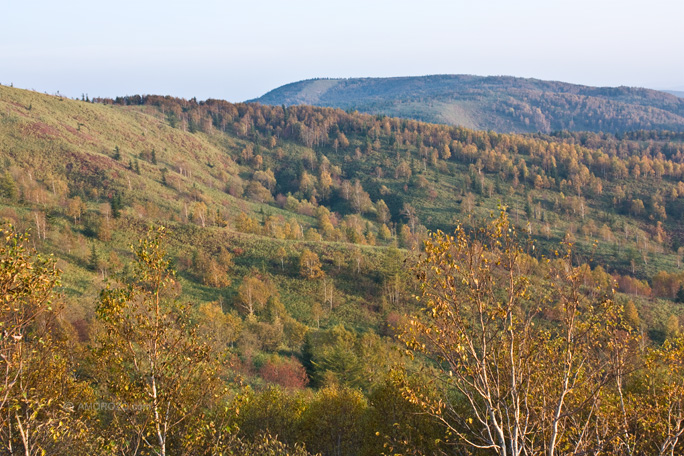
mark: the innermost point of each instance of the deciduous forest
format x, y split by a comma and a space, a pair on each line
187, 278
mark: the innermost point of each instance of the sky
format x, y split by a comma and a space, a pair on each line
240, 50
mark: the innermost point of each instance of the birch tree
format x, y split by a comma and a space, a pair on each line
515, 357
156, 373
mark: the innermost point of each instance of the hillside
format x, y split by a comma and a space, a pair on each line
293, 233
254, 179
499, 103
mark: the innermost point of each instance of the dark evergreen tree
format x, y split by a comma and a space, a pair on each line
116, 205
680, 294
94, 259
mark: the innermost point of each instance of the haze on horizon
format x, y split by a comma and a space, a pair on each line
239, 50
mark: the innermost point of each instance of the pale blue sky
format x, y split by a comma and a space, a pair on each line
240, 50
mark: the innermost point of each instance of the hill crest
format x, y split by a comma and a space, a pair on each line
499, 103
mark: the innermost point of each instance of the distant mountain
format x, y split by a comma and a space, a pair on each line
676, 93
499, 103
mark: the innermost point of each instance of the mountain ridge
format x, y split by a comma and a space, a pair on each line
499, 103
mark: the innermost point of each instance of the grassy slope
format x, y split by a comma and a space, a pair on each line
42, 136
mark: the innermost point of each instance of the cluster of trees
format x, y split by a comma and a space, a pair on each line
352, 228
587, 167
526, 364
580, 163
363, 170
155, 377
506, 360
150, 381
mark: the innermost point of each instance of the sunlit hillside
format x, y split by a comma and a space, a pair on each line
297, 239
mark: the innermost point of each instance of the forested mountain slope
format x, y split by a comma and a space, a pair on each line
500, 103
250, 175
338, 182
294, 231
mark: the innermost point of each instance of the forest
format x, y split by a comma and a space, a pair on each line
500, 103
184, 277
